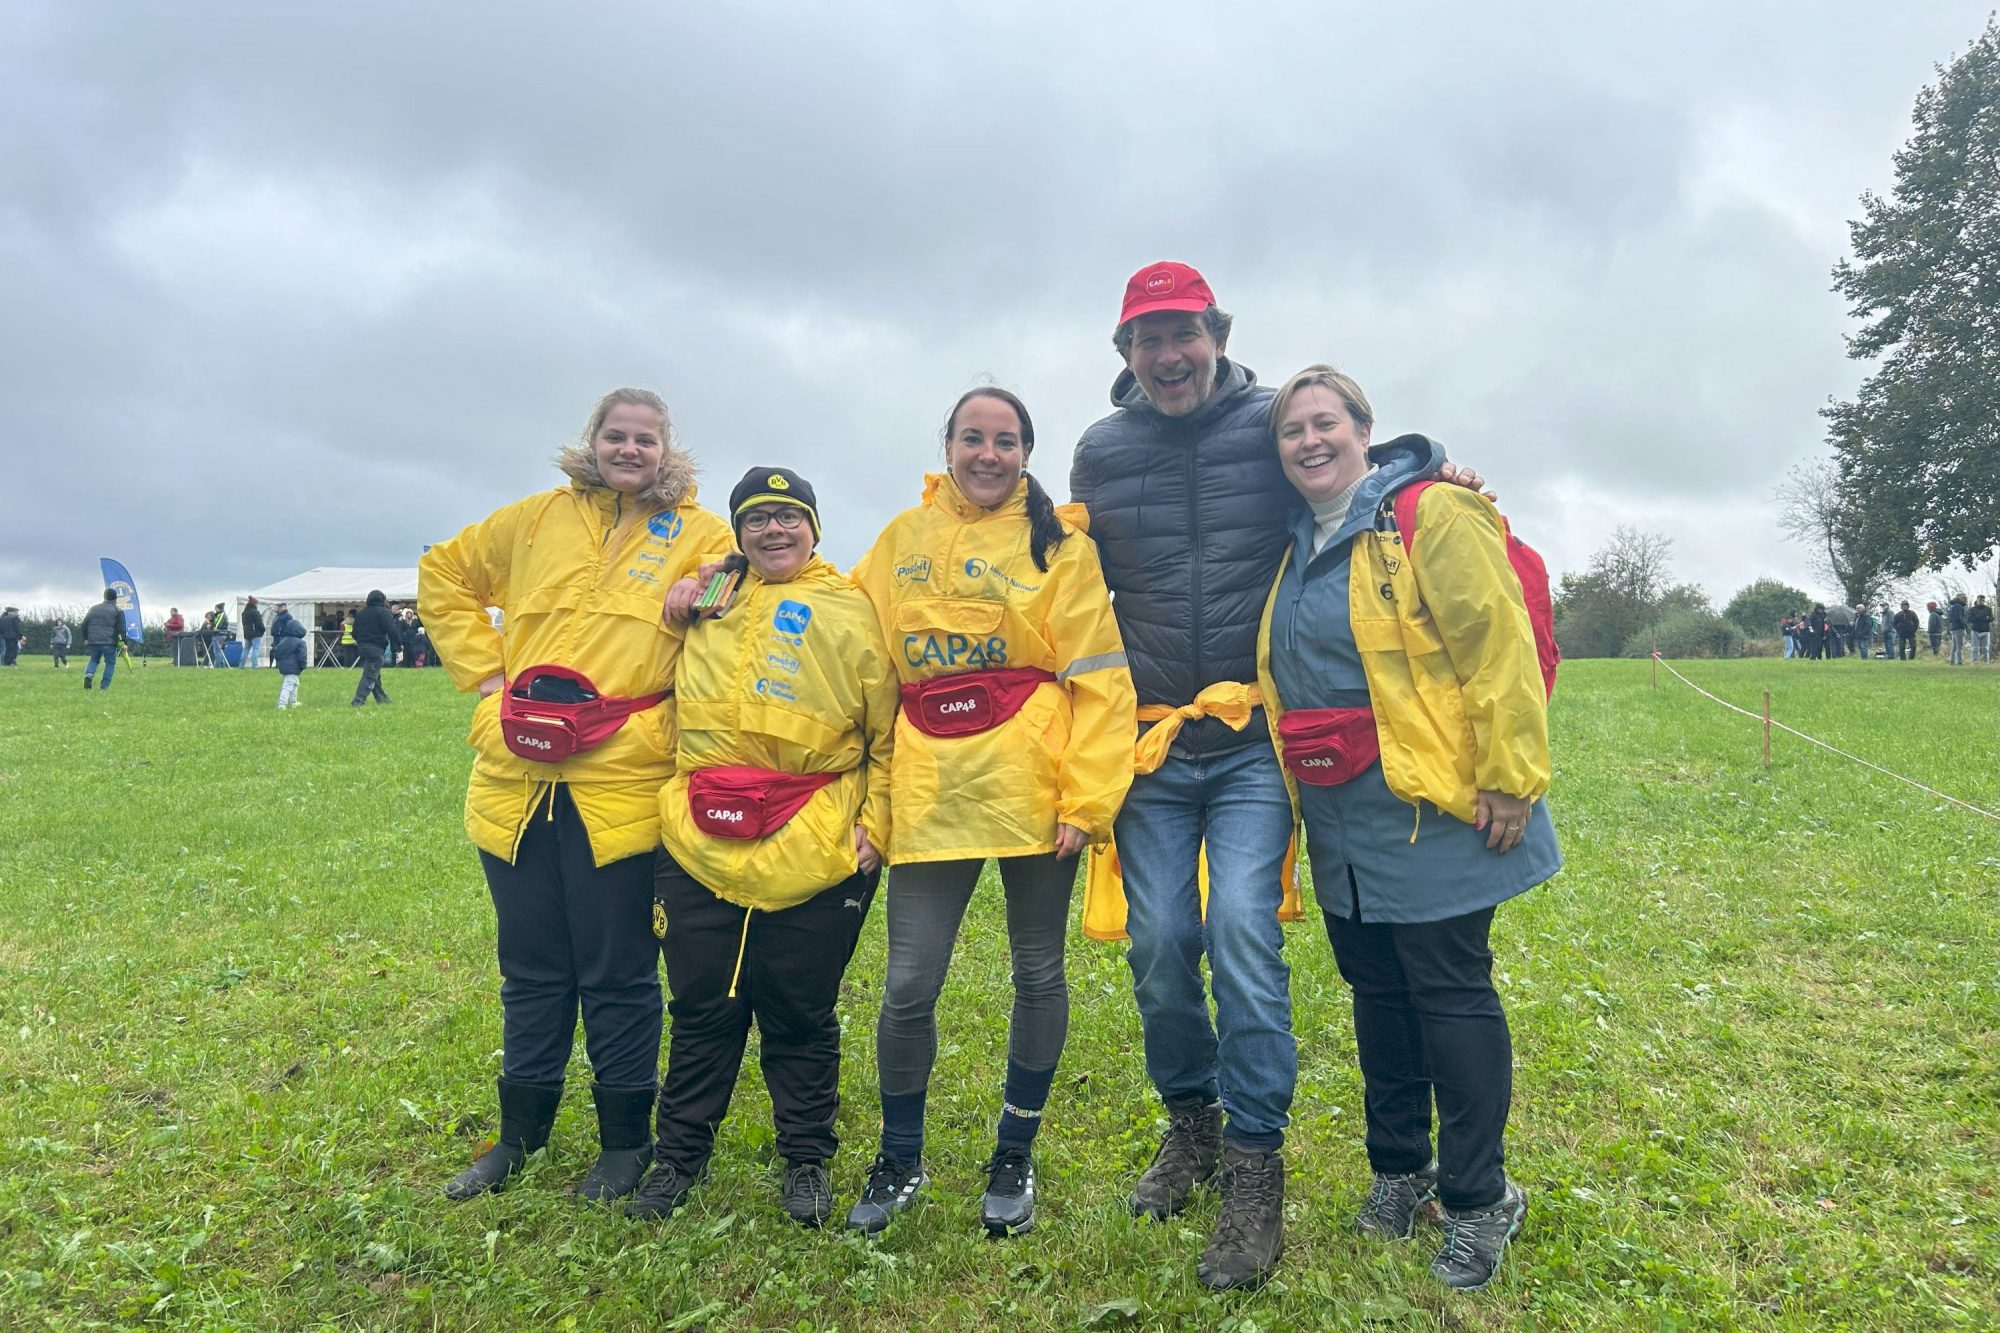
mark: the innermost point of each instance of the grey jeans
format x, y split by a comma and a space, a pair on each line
927, 901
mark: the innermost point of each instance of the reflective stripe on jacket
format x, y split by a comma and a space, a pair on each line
793, 678
1449, 655
581, 578
957, 590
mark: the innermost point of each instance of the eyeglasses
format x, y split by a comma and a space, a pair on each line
786, 518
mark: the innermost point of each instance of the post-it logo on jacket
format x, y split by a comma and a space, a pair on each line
791, 617
917, 569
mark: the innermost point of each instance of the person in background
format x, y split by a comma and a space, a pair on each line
1888, 623
1934, 625
10, 636
1814, 634
1906, 633
1788, 633
374, 631
1864, 630
59, 644
253, 633
103, 626
1403, 684
1979, 619
1956, 623
1015, 744
567, 845
175, 627
773, 827
288, 653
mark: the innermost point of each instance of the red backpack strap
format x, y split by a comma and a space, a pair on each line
1406, 512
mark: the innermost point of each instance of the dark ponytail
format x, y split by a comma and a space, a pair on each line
1045, 530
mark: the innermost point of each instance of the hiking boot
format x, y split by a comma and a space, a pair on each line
1250, 1231
527, 1112
624, 1142
1186, 1158
1395, 1202
808, 1193
1009, 1203
892, 1186
1474, 1240
661, 1194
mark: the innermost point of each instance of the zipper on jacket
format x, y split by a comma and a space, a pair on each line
1194, 567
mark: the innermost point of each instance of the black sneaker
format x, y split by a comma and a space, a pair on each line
86, 682
1009, 1205
665, 1188
1475, 1241
1187, 1156
1250, 1231
891, 1188
1396, 1202
808, 1193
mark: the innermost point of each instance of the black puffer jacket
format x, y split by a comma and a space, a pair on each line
1189, 518
374, 626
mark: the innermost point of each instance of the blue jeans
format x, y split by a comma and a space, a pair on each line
109, 655
1247, 1057
253, 652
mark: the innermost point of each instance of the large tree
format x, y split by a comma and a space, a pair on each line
1919, 446
1757, 607
1598, 610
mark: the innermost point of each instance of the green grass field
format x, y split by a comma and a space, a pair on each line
251, 1025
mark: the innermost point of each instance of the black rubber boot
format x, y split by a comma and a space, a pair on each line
625, 1145
527, 1112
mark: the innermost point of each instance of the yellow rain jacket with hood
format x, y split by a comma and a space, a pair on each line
957, 590
580, 574
793, 678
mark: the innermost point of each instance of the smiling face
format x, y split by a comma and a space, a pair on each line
985, 451
777, 553
1173, 357
1320, 445
629, 446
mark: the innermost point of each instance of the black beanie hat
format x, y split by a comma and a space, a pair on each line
772, 485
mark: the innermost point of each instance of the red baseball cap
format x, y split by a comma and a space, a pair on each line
1165, 286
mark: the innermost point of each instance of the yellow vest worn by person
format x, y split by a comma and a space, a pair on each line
957, 590
581, 579
1459, 708
793, 678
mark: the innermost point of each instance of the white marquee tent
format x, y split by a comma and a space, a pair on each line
335, 589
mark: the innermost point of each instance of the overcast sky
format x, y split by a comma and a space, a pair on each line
285, 285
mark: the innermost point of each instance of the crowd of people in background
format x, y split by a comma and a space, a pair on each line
1822, 633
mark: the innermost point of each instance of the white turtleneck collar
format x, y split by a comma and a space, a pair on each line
1330, 513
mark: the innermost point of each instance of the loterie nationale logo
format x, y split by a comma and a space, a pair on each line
665, 526
917, 569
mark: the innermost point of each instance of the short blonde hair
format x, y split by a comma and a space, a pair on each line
1320, 375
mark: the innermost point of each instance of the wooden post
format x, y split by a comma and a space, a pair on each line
1656, 662
1767, 728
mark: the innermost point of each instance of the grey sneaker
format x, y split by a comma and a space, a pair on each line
1187, 1156
808, 1193
1395, 1203
892, 1186
1009, 1204
1250, 1231
661, 1193
1475, 1241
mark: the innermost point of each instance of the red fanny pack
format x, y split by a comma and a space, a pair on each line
969, 702
550, 732
1324, 747
735, 802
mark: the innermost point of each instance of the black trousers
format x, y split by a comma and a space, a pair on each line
1428, 1026
788, 980
573, 935
371, 678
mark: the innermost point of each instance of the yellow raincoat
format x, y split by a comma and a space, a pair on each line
1459, 708
793, 678
580, 574
957, 590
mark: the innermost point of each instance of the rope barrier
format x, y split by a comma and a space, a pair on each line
1771, 721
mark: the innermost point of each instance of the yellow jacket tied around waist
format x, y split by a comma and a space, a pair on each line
580, 574
956, 589
794, 678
